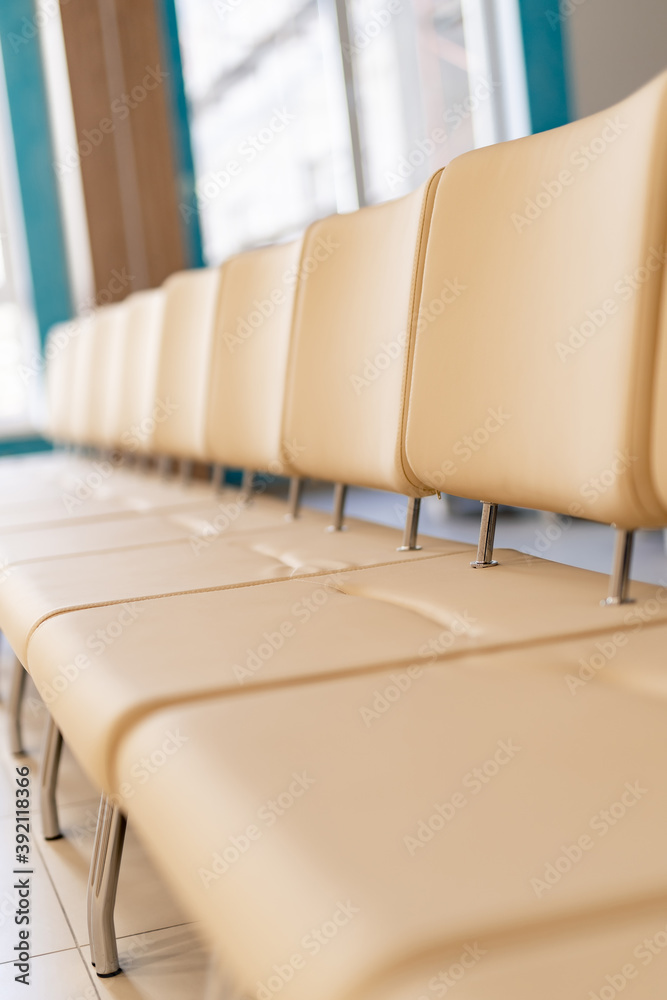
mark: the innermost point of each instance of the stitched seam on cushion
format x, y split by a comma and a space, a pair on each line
293, 352
97, 552
660, 324
225, 267
131, 718
413, 313
227, 586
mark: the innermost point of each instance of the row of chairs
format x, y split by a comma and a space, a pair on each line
392, 773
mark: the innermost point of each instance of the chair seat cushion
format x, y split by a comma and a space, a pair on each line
128, 660
486, 801
34, 591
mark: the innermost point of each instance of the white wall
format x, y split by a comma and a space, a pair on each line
614, 47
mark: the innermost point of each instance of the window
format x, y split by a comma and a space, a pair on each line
280, 90
20, 366
262, 129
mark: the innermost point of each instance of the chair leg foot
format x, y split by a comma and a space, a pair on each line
14, 707
53, 744
102, 887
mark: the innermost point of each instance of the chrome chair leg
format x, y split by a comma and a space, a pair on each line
14, 707
620, 574
340, 496
487, 534
53, 744
296, 485
102, 887
411, 529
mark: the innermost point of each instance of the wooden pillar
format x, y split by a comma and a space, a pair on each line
119, 83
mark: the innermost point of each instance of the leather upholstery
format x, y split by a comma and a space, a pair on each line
247, 378
107, 373
40, 589
83, 382
400, 615
579, 957
355, 313
377, 690
133, 418
190, 308
550, 246
447, 820
60, 356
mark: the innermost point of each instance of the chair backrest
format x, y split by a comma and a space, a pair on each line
60, 354
356, 310
190, 309
107, 373
540, 374
137, 410
249, 358
83, 376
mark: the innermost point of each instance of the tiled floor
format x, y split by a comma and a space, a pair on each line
161, 954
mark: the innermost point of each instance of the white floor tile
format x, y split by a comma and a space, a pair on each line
163, 965
60, 976
50, 930
143, 902
73, 785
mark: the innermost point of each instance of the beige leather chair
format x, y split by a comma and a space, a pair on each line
504, 340
487, 811
24, 478
332, 336
245, 428
554, 963
631, 499
522, 597
22, 475
243, 410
